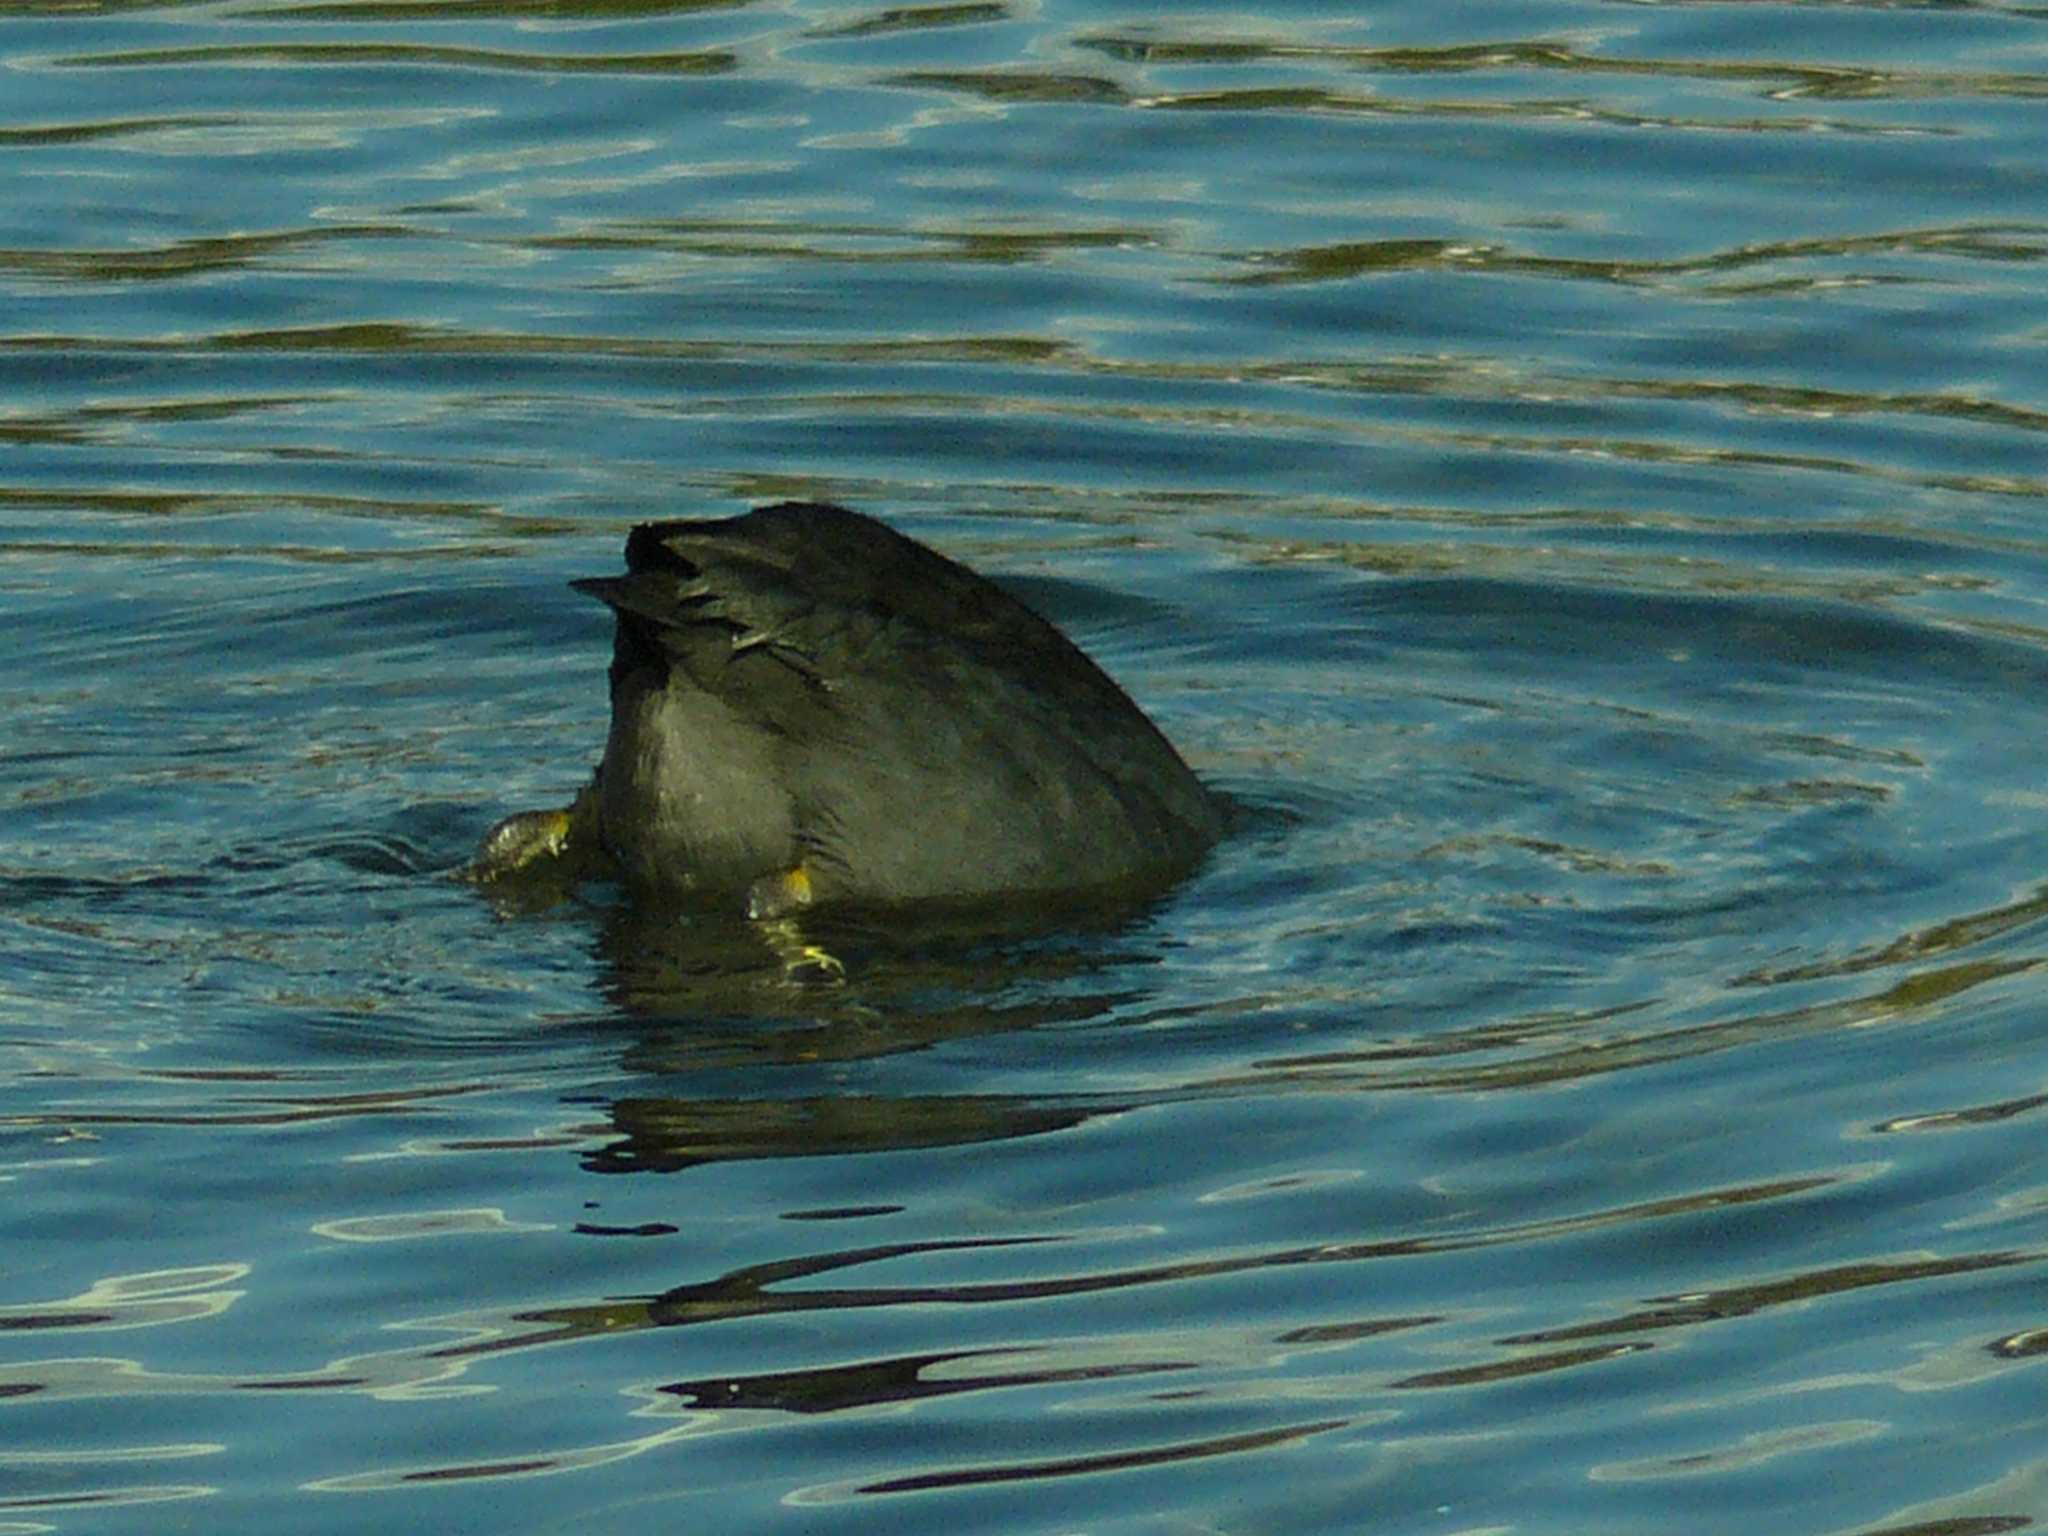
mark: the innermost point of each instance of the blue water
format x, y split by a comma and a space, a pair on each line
1575, 475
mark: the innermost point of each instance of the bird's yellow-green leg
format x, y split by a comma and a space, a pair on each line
556, 841
779, 894
518, 841
772, 901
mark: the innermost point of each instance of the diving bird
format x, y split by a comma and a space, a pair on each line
808, 707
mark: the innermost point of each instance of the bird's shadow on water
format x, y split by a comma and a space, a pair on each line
773, 1039
663, 960
1039, 960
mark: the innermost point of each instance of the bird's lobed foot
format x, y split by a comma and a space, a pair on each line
519, 843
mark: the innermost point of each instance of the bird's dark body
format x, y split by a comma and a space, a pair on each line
804, 689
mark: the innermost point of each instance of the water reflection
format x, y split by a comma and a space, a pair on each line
358, 55
669, 1134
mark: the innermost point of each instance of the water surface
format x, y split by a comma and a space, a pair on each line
1573, 473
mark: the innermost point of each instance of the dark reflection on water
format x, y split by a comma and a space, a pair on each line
1222, 1445
291, 55
870, 1382
665, 1135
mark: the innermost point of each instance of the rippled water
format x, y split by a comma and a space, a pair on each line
1574, 473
